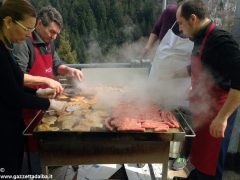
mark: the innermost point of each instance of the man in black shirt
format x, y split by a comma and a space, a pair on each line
215, 96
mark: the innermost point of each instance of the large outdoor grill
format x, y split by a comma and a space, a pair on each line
99, 145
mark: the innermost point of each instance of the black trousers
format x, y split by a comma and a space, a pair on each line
197, 175
11, 154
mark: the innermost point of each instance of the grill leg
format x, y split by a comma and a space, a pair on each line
75, 168
45, 170
165, 162
151, 172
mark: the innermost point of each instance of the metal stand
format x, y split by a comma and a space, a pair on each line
107, 153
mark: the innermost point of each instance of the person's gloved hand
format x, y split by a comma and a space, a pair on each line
46, 93
58, 106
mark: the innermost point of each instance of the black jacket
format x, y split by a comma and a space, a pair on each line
13, 96
221, 57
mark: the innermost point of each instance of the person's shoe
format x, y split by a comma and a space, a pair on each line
140, 165
179, 178
179, 164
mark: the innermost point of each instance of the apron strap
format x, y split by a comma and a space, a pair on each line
210, 29
173, 25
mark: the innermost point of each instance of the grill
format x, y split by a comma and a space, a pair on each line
100, 146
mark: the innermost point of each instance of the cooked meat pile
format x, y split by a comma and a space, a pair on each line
129, 117
82, 119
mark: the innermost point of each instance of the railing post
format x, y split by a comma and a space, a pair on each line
164, 4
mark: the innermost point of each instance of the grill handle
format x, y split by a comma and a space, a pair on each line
28, 131
185, 125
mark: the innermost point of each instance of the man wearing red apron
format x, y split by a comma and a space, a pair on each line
215, 76
42, 66
37, 56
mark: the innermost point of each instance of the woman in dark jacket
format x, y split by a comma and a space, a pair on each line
17, 21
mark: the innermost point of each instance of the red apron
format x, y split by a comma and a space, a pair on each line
206, 100
42, 66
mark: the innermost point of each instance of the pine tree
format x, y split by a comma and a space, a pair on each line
39, 4
115, 13
99, 11
90, 21
109, 22
64, 51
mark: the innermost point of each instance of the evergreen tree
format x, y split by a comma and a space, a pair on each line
39, 4
90, 21
111, 30
64, 51
109, 22
115, 13
100, 13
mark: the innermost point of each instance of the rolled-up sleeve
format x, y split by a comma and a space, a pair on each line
235, 70
22, 55
223, 59
229, 59
56, 63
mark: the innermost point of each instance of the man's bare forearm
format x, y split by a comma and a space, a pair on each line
151, 40
219, 123
30, 80
231, 104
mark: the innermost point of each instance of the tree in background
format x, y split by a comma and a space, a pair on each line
98, 28
79, 47
236, 27
64, 50
104, 24
222, 12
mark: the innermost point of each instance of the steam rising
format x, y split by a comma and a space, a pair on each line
127, 52
115, 85
132, 84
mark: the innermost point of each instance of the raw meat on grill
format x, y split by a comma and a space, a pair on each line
172, 119
151, 124
169, 118
129, 116
127, 124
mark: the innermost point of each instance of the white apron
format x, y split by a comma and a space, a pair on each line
173, 53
